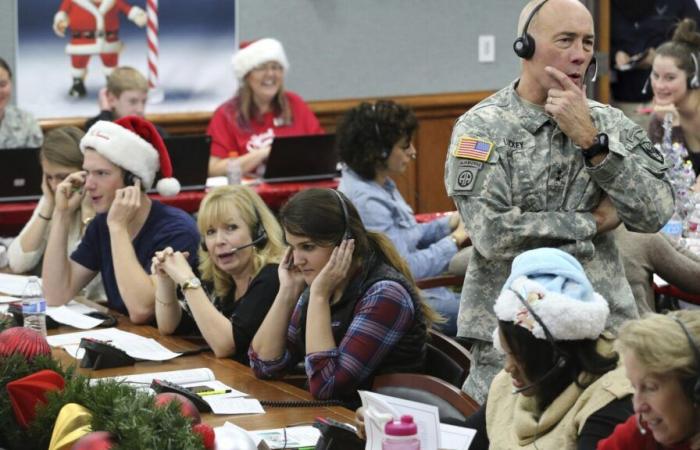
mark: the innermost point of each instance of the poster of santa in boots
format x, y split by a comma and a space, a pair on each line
67, 48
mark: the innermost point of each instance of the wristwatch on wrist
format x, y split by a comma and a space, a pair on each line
192, 283
600, 145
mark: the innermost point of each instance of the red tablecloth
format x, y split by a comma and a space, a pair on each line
13, 216
673, 291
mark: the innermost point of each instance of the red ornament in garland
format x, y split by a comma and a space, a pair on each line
207, 434
24, 341
97, 440
187, 408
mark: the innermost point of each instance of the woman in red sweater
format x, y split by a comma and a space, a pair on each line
661, 355
243, 127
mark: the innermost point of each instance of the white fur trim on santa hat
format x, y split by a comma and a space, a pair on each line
565, 317
123, 148
259, 52
168, 187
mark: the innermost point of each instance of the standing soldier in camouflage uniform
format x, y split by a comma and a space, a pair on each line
539, 165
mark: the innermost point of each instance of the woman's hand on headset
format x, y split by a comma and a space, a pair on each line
70, 192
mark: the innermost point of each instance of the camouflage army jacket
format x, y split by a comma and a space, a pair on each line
520, 183
19, 129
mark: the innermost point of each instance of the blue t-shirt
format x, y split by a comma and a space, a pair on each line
165, 226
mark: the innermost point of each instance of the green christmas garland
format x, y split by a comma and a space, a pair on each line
126, 413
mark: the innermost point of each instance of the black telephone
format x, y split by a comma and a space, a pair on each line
101, 355
160, 386
337, 435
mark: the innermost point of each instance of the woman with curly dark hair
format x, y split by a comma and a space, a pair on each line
376, 143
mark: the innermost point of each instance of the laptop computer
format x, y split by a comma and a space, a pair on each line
189, 156
302, 158
20, 174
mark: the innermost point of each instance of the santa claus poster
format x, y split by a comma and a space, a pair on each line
67, 47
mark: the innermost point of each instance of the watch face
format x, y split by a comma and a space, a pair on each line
603, 139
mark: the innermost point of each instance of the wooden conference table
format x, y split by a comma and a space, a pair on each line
13, 215
227, 371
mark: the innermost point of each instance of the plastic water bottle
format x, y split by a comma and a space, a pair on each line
34, 306
233, 171
674, 228
401, 435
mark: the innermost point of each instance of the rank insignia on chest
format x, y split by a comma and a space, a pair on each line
472, 148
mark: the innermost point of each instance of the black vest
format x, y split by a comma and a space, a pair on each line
408, 355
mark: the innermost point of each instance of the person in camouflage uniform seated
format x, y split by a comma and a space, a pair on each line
538, 164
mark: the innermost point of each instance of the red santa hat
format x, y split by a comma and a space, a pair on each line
252, 54
134, 144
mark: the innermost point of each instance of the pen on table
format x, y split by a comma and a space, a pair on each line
214, 392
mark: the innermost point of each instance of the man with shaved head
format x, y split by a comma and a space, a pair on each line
539, 165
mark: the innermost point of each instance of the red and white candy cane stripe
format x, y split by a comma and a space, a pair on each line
152, 34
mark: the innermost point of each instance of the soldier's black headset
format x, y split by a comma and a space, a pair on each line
524, 46
559, 357
259, 236
693, 82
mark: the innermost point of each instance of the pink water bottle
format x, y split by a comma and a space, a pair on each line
401, 435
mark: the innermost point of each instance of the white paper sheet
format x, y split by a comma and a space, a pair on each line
4, 299
68, 316
232, 437
304, 436
238, 405
456, 438
425, 416
134, 345
11, 284
660, 282
198, 375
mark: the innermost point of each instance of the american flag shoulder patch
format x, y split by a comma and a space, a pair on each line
472, 148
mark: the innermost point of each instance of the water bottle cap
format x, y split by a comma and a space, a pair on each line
405, 427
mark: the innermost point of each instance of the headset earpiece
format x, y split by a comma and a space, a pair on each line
694, 82
645, 89
260, 237
204, 247
693, 385
346, 218
383, 152
592, 71
524, 45
129, 178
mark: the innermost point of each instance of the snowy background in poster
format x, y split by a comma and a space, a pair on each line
197, 39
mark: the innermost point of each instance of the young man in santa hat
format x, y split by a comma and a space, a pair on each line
121, 162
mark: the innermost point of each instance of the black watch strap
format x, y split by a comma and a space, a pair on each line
599, 146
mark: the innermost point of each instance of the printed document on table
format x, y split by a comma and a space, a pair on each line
186, 378
224, 405
134, 345
290, 437
11, 284
68, 316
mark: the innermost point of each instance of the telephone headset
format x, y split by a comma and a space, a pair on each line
559, 357
346, 217
693, 387
384, 152
524, 45
693, 82
129, 178
259, 236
